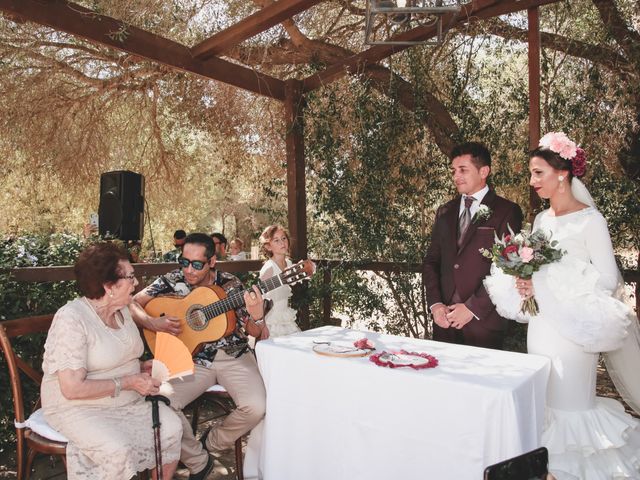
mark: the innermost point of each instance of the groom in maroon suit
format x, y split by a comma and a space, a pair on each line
453, 268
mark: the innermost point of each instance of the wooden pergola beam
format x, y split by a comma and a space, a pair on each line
473, 11
76, 20
256, 23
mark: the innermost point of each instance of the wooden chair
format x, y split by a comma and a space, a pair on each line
29, 442
218, 395
532, 465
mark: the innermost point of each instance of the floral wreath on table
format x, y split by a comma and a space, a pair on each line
386, 359
559, 143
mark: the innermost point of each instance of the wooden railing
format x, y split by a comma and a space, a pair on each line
57, 274
325, 267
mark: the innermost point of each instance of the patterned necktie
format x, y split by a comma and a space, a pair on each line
465, 219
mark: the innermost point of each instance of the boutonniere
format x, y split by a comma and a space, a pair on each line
482, 214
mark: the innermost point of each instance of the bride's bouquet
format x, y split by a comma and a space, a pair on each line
522, 254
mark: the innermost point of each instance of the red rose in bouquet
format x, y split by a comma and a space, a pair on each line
509, 249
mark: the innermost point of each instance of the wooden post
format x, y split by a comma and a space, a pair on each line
638, 284
296, 189
326, 296
533, 15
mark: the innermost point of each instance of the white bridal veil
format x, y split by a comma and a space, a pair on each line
622, 364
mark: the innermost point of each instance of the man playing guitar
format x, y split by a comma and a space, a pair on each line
228, 361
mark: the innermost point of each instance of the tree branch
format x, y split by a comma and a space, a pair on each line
438, 119
598, 54
628, 39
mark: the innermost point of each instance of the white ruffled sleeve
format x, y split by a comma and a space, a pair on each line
578, 295
573, 294
66, 344
504, 294
570, 294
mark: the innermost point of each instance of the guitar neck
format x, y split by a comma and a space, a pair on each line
236, 300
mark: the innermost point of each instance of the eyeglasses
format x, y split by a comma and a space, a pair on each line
131, 277
196, 264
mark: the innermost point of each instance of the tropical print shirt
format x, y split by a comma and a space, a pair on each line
236, 343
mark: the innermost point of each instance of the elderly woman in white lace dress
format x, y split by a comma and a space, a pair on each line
94, 383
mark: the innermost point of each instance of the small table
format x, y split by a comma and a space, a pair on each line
332, 418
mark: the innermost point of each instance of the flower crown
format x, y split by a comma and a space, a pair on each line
559, 143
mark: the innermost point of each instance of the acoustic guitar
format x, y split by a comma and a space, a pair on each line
207, 314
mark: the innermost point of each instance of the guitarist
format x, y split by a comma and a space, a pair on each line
229, 361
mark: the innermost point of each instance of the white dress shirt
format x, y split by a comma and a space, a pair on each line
479, 195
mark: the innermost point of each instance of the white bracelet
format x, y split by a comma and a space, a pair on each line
259, 321
116, 391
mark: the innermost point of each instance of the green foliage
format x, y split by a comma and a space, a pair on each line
367, 193
19, 299
375, 176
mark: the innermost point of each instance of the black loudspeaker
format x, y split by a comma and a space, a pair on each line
121, 209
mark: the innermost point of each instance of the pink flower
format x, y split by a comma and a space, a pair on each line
364, 344
559, 143
526, 254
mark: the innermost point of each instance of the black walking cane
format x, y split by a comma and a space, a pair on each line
155, 415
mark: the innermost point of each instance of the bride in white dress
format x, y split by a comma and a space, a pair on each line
281, 319
588, 437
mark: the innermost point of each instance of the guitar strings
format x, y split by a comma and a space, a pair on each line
237, 299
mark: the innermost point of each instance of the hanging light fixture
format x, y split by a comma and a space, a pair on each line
386, 19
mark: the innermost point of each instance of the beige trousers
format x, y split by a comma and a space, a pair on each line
241, 378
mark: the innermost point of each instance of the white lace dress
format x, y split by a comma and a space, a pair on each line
588, 437
109, 438
281, 319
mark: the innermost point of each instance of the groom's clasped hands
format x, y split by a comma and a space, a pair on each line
456, 315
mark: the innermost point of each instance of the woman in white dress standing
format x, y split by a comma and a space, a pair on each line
588, 437
274, 243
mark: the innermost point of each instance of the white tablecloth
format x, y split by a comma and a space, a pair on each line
346, 418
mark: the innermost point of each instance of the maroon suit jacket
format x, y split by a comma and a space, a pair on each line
447, 268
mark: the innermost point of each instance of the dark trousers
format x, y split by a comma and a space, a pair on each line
473, 334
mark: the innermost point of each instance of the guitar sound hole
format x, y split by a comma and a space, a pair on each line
196, 319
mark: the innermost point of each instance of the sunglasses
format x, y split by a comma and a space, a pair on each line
196, 264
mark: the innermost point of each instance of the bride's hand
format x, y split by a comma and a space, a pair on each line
525, 287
